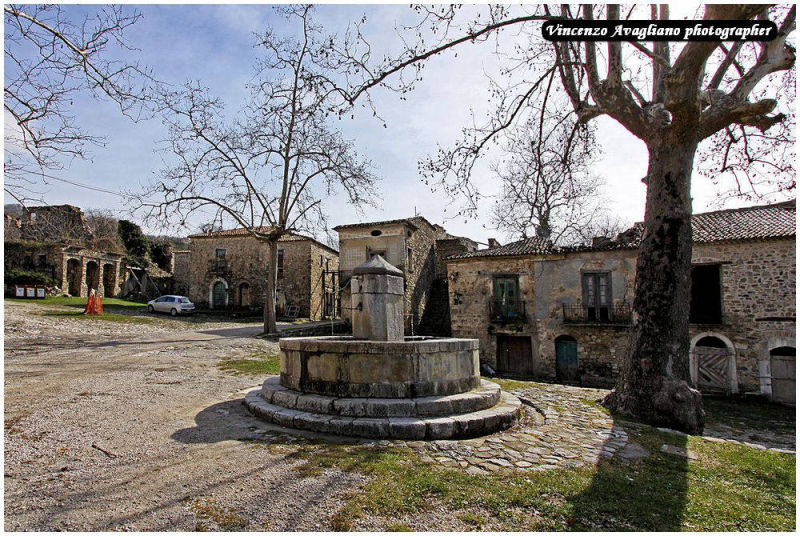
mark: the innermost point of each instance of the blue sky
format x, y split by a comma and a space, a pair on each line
214, 44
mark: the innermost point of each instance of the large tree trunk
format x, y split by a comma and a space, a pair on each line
270, 324
654, 381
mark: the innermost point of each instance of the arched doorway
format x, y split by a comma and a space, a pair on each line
567, 359
713, 364
219, 294
92, 275
782, 366
74, 277
244, 295
109, 279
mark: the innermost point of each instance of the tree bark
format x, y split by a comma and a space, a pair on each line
654, 382
270, 323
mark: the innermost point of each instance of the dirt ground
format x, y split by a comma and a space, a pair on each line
133, 427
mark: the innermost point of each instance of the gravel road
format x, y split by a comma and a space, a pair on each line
115, 426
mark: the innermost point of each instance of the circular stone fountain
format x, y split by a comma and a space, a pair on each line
379, 384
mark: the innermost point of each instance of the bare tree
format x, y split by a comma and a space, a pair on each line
269, 170
549, 189
50, 59
676, 98
103, 226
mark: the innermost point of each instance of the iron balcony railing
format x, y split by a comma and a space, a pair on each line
508, 311
582, 314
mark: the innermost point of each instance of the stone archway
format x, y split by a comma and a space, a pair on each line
74, 277
712, 363
218, 294
109, 280
92, 275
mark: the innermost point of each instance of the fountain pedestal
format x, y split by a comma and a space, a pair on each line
379, 384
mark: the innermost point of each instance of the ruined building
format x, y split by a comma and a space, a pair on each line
564, 313
228, 269
55, 241
418, 248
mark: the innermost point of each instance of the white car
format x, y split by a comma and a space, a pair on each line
174, 305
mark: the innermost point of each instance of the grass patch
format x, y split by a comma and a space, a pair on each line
81, 302
510, 385
730, 487
105, 317
257, 363
212, 517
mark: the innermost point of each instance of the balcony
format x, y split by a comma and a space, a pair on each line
581, 314
508, 311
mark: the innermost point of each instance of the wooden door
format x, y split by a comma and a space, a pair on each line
782, 364
514, 356
567, 360
713, 369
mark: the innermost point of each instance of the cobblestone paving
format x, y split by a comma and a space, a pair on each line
563, 427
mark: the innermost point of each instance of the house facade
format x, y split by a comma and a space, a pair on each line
228, 270
564, 314
416, 247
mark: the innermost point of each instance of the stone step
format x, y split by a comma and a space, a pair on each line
486, 421
483, 397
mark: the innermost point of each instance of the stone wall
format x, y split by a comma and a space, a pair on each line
39, 257
758, 303
409, 246
181, 269
447, 247
245, 268
245, 263
471, 292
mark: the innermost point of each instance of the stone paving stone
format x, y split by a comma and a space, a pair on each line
578, 435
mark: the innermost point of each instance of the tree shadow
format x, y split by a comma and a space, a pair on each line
632, 492
230, 421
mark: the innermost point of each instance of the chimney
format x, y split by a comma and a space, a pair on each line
493, 243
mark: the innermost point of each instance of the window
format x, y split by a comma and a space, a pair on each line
705, 306
376, 232
507, 304
220, 253
597, 296
327, 265
410, 261
41, 260
280, 263
321, 259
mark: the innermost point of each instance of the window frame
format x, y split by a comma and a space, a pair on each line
594, 308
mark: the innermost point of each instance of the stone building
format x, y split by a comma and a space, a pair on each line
228, 269
53, 241
415, 246
564, 313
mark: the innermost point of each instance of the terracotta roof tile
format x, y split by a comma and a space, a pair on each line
750, 223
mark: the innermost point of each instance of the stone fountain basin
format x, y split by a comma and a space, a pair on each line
348, 367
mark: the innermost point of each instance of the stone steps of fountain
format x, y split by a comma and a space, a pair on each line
483, 397
486, 421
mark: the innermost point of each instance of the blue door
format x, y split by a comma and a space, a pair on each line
567, 359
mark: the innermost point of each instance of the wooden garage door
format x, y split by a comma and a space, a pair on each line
514, 356
782, 364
